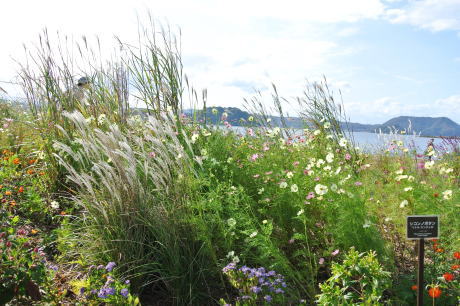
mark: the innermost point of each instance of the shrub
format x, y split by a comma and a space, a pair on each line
359, 279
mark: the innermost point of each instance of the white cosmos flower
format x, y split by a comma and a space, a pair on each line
195, 137
316, 132
289, 174
429, 164
283, 185
294, 188
447, 195
300, 212
403, 204
253, 234
319, 163
321, 189
260, 191
327, 125
401, 177
330, 157
343, 142
408, 189
55, 205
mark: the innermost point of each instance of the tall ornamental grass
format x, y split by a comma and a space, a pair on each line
133, 187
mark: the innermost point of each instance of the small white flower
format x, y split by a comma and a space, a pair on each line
401, 177
253, 234
447, 195
408, 189
300, 212
230, 254
319, 163
410, 178
231, 222
316, 132
327, 125
400, 171
283, 185
269, 120
321, 189
260, 191
429, 164
55, 205
403, 204
388, 219
264, 222
215, 111
251, 118
294, 188
330, 157
343, 142
289, 174
195, 137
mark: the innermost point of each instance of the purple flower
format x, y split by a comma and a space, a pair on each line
358, 183
256, 289
268, 298
279, 290
100, 267
127, 282
110, 266
124, 292
102, 293
82, 290
321, 261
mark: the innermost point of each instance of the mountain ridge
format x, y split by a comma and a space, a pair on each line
424, 126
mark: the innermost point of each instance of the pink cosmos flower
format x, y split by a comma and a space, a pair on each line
420, 165
255, 175
254, 157
321, 261
347, 156
268, 173
358, 183
310, 195
317, 178
152, 154
335, 252
305, 172
296, 163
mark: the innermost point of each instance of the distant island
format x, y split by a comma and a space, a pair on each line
423, 126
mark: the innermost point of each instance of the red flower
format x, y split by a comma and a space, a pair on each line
457, 255
455, 267
439, 250
21, 189
414, 287
434, 292
448, 276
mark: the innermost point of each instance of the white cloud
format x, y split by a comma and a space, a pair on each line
385, 108
349, 31
433, 15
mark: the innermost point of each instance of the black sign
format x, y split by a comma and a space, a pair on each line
422, 227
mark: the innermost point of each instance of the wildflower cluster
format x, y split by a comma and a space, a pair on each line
256, 285
101, 285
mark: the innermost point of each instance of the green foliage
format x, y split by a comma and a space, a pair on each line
358, 280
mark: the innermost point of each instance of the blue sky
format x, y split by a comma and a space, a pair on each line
388, 58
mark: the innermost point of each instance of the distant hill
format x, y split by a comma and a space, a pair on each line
425, 126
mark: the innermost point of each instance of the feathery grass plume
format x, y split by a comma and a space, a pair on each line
318, 105
256, 106
133, 187
48, 79
156, 69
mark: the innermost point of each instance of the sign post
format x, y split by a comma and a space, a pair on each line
420, 228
